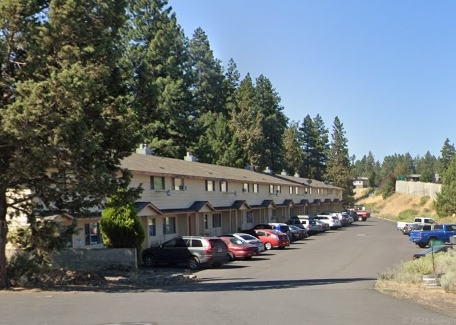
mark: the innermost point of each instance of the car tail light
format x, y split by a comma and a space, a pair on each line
209, 249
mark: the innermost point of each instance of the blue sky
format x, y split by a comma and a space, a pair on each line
386, 68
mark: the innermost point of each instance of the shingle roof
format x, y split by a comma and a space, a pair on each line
160, 166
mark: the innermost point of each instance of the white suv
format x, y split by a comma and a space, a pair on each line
333, 222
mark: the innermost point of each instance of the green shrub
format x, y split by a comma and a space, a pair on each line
407, 214
121, 226
424, 200
448, 281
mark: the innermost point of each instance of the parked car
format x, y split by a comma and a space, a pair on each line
343, 219
297, 223
239, 248
282, 227
273, 238
430, 250
297, 233
193, 251
322, 224
250, 239
333, 222
352, 213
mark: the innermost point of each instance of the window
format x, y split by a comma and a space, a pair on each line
279, 189
271, 189
210, 186
438, 227
169, 225
178, 184
255, 188
245, 187
197, 243
296, 190
306, 190
152, 227
217, 220
291, 189
92, 233
223, 186
157, 183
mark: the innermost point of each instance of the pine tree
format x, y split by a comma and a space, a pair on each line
320, 156
426, 168
156, 63
445, 202
308, 138
207, 74
245, 123
273, 123
65, 124
293, 149
338, 171
446, 154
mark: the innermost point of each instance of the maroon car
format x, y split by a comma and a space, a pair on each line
239, 249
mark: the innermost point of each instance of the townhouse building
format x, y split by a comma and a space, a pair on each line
185, 197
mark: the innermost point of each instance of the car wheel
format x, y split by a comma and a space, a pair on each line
422, 245
193, 263
149, 260
231, 256
268, 246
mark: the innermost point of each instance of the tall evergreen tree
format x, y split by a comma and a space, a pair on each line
338, 171
245, 123
273, 123
445, 202
156, 61
426, 168
320, 156
294, 155
446, 154
308, 137
207, 74
65, 124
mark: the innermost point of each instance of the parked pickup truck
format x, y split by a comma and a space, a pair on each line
418, 220
362, 213
438, 232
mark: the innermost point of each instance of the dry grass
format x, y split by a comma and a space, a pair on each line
397, 203
433, 298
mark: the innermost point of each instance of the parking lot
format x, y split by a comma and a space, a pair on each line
326, 279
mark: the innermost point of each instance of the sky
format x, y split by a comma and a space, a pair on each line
385, 68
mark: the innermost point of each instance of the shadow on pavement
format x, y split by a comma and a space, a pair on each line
258, 285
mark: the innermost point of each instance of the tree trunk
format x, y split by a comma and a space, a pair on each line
4, 283
3, 278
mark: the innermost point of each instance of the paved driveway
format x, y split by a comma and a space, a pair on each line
326, 279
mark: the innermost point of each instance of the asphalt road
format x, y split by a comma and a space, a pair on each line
326, 279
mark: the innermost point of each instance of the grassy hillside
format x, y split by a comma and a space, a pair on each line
399, 206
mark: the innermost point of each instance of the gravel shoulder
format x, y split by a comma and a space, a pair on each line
433, 298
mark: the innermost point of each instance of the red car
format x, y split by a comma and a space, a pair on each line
272, 238
238, 248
